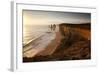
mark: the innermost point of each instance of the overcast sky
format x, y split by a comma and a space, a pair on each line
31, 17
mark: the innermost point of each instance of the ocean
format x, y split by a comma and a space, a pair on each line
31, 32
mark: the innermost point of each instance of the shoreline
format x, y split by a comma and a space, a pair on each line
50, 49
34, 48
76, 47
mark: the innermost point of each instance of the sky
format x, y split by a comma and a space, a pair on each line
32, 17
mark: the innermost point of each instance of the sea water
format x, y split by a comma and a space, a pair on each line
31, 32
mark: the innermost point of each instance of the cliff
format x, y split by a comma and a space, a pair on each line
75, 44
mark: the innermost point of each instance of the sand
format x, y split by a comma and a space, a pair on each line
52, 46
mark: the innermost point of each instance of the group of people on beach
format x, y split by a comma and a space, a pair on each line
52, 27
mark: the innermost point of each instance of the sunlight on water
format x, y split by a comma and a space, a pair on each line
31, 32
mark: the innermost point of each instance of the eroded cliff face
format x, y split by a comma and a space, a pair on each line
75, 44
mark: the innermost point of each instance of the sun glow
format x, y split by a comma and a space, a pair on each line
47, 18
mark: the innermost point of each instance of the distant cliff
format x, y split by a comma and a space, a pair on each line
83, 29
81, 25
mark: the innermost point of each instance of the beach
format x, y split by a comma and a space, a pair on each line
54, 45
46, 42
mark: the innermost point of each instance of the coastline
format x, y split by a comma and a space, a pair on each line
33, 48
69, 44
50, 49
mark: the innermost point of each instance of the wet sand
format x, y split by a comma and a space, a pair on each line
38, 45
52, 46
